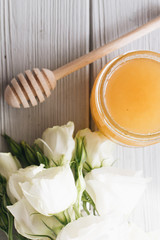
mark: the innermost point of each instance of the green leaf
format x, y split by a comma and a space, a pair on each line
3, 220
20, 237
6, 219
79, 157
77, 167
26, 154
40, 156
16, 150
85, 207
86, 167
55, 235
86, 198
61, 217
13, 145
29, 154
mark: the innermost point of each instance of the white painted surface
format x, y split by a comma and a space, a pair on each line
110, 19
49, 34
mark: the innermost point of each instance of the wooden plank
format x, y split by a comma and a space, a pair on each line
109, 20
51, 33
44, 34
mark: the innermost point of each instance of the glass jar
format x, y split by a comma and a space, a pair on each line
148, 86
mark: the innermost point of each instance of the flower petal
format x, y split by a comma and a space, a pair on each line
99, 149
22, 175
51, 191
8, 164
155, 235
109, 227
90, 227
135, 233
29, 223
58, 143
115, 190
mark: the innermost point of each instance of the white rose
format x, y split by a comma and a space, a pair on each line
30, 223
99, 149
115, 190
110, 227
8, 164
51, 191
58, 143
22, 175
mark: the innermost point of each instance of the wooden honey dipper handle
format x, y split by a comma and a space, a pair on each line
35, 84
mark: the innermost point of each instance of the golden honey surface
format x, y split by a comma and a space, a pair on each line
133, 96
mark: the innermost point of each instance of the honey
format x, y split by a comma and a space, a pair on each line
125, 100
133, 96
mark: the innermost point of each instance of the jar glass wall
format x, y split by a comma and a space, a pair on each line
125, 99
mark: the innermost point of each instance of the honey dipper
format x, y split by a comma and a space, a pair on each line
29, 88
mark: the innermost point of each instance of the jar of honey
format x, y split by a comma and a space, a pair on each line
125, 99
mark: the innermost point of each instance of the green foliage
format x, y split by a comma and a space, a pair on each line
86, 168
40, 156
26, 154
30, 154
33, 155
6, 219
78, 165
86, 199
79, 157
77, 168
16, 149
19, 237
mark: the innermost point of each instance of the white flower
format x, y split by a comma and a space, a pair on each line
154, 235
90, 227
115, 190
129, 231
99, 149
135, 233
110, 227
51, 191
28, 222
8, 164
58, 143
22, 175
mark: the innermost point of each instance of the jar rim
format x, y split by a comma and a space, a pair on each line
100, 90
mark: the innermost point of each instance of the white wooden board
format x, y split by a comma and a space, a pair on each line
44, 33
50, 33
110, 19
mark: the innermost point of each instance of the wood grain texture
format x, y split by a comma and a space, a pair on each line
109, 20
19, 92
44, 34
50, 33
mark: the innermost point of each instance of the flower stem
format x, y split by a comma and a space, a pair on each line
10, 227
